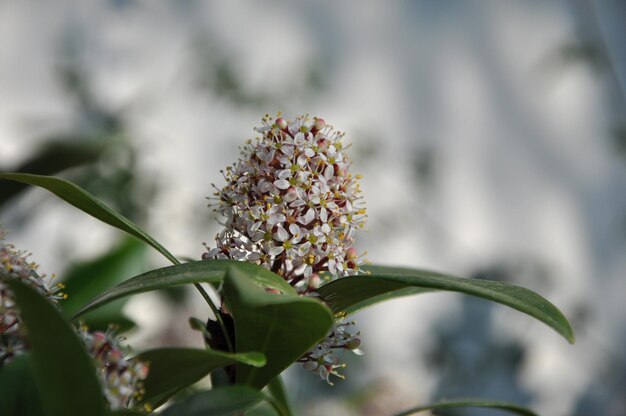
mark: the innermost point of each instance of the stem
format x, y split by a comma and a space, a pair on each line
214, 309
217, 314
293, 282
4, 328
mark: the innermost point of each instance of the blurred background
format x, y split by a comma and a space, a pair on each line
491, 137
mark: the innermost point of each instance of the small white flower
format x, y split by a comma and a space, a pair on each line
307, 218
281, 183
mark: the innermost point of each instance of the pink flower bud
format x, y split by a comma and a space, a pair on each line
319, 124
351, 256
281, 123
115, 355
314, 281
99, 339
322, 145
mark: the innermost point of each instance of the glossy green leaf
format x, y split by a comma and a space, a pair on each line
352, 294
210, 271
172, 369
225, 401
88, 203
64, 371
488, 404
19, 395
54, 156
281, 326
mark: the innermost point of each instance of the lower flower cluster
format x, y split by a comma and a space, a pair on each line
323, 359
121, 378
14, 264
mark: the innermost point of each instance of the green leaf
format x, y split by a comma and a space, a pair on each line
210, 271
88, 203
198, 325
62, 368
277, 390
225, 401
282, 326
172, 369
19, 395
351, 294
264, 409
54, 156
490, 404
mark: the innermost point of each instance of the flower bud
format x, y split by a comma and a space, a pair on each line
318, 124
281, 123
340, 171
314, 281
353, 344
322, 145
310, 365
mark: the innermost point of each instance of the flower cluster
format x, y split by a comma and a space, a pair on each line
121, 378
14, 264
323, 360
290, 203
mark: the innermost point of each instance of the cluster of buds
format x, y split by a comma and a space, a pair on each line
323, 359
290, 204
14, 264
121, 378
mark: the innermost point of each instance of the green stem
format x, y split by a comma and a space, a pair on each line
214, 308
217, 314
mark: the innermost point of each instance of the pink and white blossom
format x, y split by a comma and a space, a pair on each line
290, 203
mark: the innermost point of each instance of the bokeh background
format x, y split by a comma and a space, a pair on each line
491, 136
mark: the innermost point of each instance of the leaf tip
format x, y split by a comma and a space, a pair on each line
255, 359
